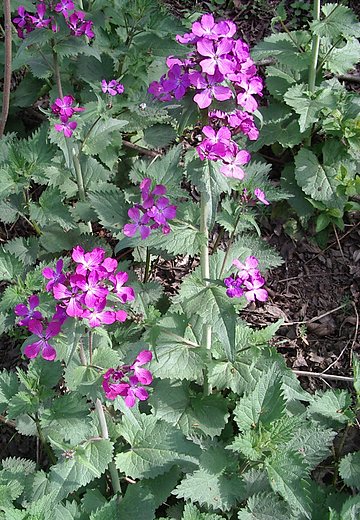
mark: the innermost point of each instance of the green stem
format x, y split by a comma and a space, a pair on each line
57, 72
80, 181
232, 236
147, 265
315, 45
45, 445
90, 341
7, 68
205, 275
115, 481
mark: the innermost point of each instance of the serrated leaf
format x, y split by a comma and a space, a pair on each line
351, 508
172, 402
341, 60
155, 446
72, 46
264, 404
10, 267
51, 209
312, 443
159, 135
9, 385
318, 181
330, 406
338, 20
101, 134
89, 462
216, 484
191, 512
283, 47
349, 469
164, 170
54, 240
213, 307
109, 204
309, 105
287, 477
25, 249
206, 176
265, 506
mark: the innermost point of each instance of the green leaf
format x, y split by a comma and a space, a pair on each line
155, 446
69, 417
159, 135
216, 484
89, 462
191, 512
109, 204
22, 403
356, 370
318, 181
72, 46
24, 249
351, 509
349, 469
338, 20
213, 307
313, 443
265, 506
177, 357
264, 404
9, 385
163, 171
206, 176
173, 403
101, 133
282, 46
10, 267
341, 60
287, 474
51, 209
330, 407
54, 240
309, 105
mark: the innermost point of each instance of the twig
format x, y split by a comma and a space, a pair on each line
349, 77
333, 243
7, 421
337, 359
7, 68
338, 242
141, 149
323, 376
316, 317
356, 331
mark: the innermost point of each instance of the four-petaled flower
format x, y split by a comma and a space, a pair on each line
47, 351
28, 313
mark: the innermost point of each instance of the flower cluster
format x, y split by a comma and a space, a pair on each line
112, 87
258, 195
75, 20
247, 281
39, 326
64, 109
218, 67
93, 291
126, 380
153, 213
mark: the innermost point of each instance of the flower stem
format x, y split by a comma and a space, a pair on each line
57, 72
115, 481
315, 46
205, 274
7, 68
147, 265
80, 181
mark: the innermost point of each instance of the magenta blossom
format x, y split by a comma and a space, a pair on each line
254, 290
162, 211
209, 88
64, 6
249, 269
54, 277
112, 87
124, 293
126, 381
216, 56
140, 222
232, 165
28, 313
67, 128
47, 351
260, 195
87, 261
177, 83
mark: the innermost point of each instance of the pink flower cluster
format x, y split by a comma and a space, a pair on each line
93, 291
75, 20
218, 67
247, 281
153, 213
126, 380
112, 87
39, 326
64, 109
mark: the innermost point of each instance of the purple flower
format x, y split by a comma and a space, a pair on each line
67, 127
64, 6
144, 376
63, 107
23, 17
217, 56
260, 195
148, 196
87, 261
135, 392
47, 351
245, 98
78, 26
39, 20
177, 82
112, 87
92, 289
209, 89
232, 165
249, 269
140, 222
162, 211
234, 286
98, 316
205, 28
254, 290
112, 384
125, 294
56, 276
28, 313
71, 298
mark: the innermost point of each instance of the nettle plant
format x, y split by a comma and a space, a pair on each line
149, 406
312, 120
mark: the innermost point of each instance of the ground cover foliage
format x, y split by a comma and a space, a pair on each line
145, 404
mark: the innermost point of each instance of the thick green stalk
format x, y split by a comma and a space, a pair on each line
115, 481
205, 273
7, 68
314, 48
